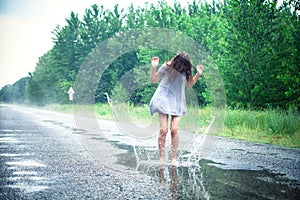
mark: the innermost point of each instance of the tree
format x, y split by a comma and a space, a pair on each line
260, 51
6, 94
253, 44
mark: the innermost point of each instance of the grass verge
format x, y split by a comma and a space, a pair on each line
269, 126
277, 127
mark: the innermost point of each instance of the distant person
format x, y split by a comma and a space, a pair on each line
169, 97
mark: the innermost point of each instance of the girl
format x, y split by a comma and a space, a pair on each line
169, 97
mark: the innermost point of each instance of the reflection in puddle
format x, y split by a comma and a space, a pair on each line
205, 181
33, 178
36, 178
191, 189
21, 174
9, 140
25, 176
13, 154
78, 131
202, 179
26, 163
24, 173
28, 188
173, 181
182, 182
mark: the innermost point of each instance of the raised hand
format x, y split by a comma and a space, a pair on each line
155, 61
200, 69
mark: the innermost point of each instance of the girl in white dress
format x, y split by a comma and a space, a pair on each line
169, 97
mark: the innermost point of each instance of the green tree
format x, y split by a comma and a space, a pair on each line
6, 94
19, 88
39, 87
260, 51
66, 56
253, 44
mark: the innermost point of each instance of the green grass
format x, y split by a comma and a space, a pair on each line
276, 127
270, 126
103, 111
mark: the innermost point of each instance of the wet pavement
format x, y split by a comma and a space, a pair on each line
43, 155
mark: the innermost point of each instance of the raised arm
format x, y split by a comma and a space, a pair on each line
154, 76
198, 74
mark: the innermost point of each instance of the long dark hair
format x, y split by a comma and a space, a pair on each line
182, 63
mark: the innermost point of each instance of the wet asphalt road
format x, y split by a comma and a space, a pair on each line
39, 161
44, 156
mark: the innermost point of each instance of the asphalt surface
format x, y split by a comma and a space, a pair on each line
39, 161
44, 155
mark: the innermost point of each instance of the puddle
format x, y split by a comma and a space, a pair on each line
210, 180
9, 140
13, 154
25, 176
26, 163
205, 181
78, 131
36, 178
227, 178
25, 173
28, 188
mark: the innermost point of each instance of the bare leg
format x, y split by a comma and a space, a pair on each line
174, 183
163, 122
161, 175
174, 136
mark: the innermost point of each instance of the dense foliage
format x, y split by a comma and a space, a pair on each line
254, 43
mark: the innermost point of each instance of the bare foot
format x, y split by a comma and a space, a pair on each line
161, 161
174, 162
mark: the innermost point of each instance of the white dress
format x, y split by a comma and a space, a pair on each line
169, 97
